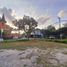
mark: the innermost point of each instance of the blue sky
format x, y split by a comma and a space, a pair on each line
37, 8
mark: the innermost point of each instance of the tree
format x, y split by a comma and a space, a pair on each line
65, 25
50, 31
62, 31
51, 28
27, 24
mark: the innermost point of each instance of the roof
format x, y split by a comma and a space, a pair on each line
2, 19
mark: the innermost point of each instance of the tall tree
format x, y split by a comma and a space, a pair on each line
65, 25
27, 24
50, 31
51, 28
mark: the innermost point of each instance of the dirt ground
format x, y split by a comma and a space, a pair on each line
33, 53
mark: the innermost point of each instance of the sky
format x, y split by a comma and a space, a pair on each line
46, 12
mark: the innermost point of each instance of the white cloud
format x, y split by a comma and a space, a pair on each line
61, 13
31, 11
44, 21
8, 13
47, 20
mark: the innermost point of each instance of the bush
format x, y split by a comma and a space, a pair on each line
58, 40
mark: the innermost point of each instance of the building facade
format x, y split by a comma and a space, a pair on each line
5, 30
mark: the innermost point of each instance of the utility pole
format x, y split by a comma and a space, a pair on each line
59, 22
60, 27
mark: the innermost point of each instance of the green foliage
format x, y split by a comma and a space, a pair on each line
15, 40
0, 31
51, 28
50, 31
27, 24
58, 40
62, 31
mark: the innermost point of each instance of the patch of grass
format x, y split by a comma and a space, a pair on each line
15, 40
31, 43
58, 40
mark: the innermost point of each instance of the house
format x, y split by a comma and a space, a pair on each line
4, 28
16, 33
36, 34
2, 22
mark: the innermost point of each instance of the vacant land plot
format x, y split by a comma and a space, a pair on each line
33, 53
31, 43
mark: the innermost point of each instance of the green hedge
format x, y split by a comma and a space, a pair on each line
58, 40
15, 40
